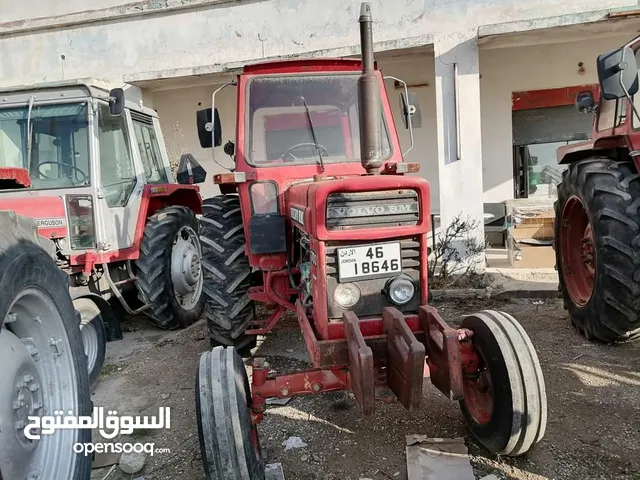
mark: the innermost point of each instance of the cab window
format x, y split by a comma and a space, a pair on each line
116, 162
149, 148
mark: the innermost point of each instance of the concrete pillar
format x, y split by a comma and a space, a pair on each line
459, 138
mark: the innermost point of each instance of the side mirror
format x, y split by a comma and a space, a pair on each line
585, 102
116, 101
209, 132
617, 72
409, 107
190, 171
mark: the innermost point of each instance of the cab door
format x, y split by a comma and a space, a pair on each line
121, 183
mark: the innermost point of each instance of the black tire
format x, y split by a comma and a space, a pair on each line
25, 268
518, 417
610, 193
223, 400
227, 273
91, 317
154, 282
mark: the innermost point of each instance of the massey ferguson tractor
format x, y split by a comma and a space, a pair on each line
597, 228
317, 217
90, 168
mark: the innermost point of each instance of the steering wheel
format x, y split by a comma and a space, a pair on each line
84, 175
317, 145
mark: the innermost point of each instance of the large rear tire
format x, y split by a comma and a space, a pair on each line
229, 442
44, 367
505, 401
169, 273
597, 238
227, 273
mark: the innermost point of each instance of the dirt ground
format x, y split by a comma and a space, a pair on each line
593, 395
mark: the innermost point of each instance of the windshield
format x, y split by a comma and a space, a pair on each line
59, 144
278, 127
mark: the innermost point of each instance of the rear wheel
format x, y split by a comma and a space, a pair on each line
597, 237
93, 337
44, 368
505, 402
227, 273
228, 439
169, 268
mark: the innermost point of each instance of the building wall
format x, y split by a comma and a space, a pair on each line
508, 70
139, 40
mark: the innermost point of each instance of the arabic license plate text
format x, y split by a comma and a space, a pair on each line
369, 261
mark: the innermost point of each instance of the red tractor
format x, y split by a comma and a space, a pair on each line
319, 218
597, 228
89, 167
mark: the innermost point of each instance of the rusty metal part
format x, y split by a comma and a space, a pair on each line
443, 353
361, 373
368, 97
405, 359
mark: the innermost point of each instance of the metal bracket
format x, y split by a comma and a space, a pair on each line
116, 291
361, 373
405, 359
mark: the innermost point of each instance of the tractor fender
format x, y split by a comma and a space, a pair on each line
615, 147
157, 197
111, 323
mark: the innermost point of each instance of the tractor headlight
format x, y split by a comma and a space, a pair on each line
82, 234
346, 295
400, 290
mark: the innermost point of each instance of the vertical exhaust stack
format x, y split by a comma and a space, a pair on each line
368, 96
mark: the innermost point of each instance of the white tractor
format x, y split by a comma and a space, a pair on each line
88, 171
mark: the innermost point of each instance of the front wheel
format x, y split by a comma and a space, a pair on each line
505, 402
94, 337
228, 439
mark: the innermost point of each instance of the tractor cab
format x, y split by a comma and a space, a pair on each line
76, 157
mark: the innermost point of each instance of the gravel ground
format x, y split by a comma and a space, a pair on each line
593, 392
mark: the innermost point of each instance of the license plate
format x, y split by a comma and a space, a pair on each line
381, 260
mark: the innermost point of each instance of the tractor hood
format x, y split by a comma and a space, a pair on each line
372, 206
47, 211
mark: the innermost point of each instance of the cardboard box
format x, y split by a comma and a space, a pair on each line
530, 253
536, 231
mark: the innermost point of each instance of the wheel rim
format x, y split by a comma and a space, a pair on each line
477, 389
39, 374
578, 253
90, 342
186, 268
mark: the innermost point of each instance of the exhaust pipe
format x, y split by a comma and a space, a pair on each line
368, 97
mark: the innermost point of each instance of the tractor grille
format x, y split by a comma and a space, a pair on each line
373, 300
372, 209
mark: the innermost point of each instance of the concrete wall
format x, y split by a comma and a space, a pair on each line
221, 32
508, 70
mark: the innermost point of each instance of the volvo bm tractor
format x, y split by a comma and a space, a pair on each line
318, 217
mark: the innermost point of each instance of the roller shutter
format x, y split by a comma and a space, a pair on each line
553, 124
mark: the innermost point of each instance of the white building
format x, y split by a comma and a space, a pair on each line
511, 57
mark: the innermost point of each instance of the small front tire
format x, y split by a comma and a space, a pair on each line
505, 402
94, 337
229, 442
